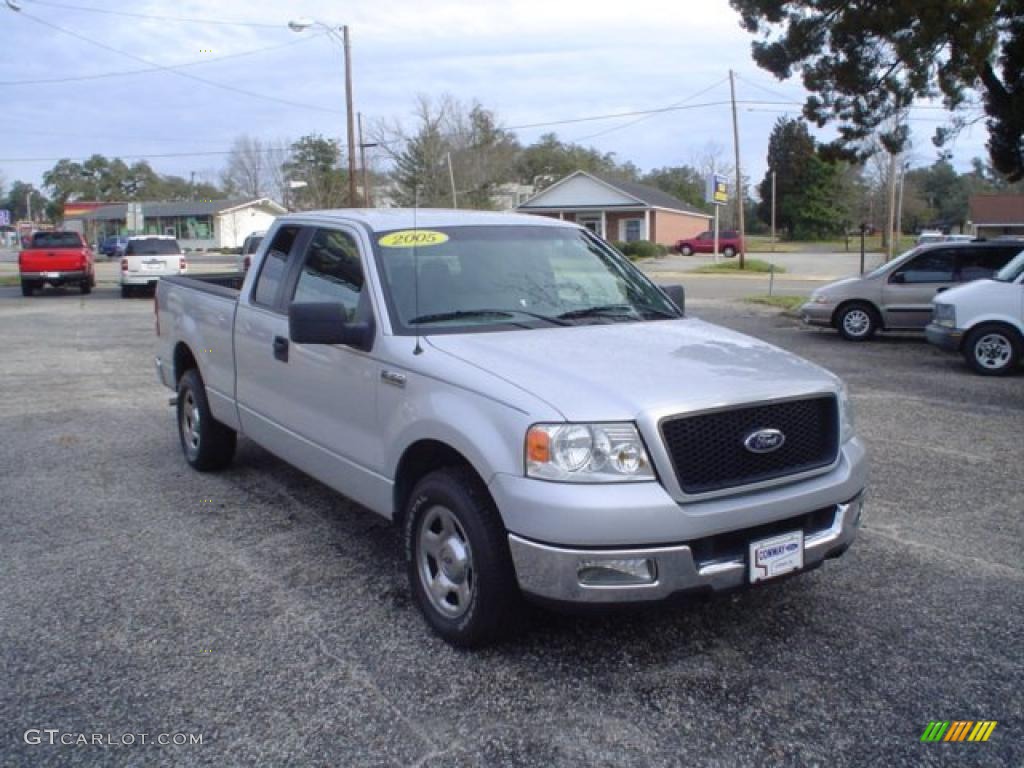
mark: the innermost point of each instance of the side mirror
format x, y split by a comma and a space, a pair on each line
326, 323
677, 294
899, 277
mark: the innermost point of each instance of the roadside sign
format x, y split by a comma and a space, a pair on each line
5, 217
716, 190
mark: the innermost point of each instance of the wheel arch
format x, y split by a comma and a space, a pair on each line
418, 460
879, 317
184, 360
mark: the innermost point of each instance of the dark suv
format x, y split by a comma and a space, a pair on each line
728, 243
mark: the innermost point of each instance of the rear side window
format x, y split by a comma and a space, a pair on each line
332, 271
275, 266
978, 263
930, 267
152, 246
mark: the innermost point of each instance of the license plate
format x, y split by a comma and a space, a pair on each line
51, 274
152, 267
776, 556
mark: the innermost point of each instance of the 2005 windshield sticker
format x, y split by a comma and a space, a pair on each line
412, 238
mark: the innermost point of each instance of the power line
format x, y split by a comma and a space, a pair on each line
185, 19
215, 84
158, 68
648, 117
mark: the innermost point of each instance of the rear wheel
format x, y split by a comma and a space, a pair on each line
207, 444
27, 288
728, 251
857, 322
992, 350
125, 291
460, 568
686, 250
85, 286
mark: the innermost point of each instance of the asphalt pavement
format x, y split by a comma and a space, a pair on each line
269, 616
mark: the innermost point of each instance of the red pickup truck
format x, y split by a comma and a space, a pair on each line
728, 243
56, 258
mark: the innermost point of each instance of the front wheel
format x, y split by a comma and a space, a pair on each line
686, 250
728, 251
460, 568
125, 291
992, 350
857, 322
207, 444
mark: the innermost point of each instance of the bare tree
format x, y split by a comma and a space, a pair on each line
246, 172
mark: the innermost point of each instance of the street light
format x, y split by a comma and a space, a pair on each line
298, 25
13, 5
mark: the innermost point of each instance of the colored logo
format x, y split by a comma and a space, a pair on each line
764, 441
411, 238
959, 730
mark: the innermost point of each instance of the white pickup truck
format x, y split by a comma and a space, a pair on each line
538, 417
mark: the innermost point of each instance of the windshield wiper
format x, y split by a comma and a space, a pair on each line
460, 314
614, 310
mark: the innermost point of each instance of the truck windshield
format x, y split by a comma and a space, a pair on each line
453, 278
1013, 270
56, 240
152, 246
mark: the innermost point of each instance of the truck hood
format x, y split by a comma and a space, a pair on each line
617, 371
971, 290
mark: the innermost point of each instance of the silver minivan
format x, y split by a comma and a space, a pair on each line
898, 295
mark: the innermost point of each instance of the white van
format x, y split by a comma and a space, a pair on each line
984, 320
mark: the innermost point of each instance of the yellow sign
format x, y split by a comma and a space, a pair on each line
411, 238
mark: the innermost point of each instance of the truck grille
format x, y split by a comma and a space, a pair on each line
709, 454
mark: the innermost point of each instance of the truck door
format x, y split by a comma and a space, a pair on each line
909, 290
322, 405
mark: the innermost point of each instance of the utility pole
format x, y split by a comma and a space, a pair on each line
739, 175
350, 120
892, 204
28, 204
773, 211
899, 203
192, 184
451, 175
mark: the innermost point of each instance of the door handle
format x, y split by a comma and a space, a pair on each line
281, 349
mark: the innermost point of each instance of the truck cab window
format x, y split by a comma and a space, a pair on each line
332, 271
274, 266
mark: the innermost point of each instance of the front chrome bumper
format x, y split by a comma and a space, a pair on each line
553, 573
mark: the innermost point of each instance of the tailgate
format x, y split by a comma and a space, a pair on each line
52, 260
154, 264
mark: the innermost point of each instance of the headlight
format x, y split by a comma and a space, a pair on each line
846, 427
820, 298
587, 453
944, 315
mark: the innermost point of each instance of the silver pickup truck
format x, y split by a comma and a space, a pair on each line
536, 416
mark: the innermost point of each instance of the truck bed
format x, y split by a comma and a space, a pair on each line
224, 284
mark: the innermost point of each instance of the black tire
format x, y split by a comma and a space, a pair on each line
993, 349
471, 550
207, 444
27, 288
728, 251
857, 321
85, 286
686, 250
125, 291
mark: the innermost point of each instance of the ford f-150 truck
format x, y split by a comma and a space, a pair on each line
535, 415
56, 258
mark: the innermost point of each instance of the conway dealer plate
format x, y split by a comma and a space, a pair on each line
776, 556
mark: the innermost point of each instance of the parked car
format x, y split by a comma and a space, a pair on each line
111, 246
984, 321
244, 258
728, 243
147, 258
57, 258
898, 295
506, 389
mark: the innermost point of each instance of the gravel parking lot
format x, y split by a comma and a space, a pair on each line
265, 613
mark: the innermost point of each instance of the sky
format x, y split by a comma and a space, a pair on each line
529, 61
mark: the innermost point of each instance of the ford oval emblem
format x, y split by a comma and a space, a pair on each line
764, 441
